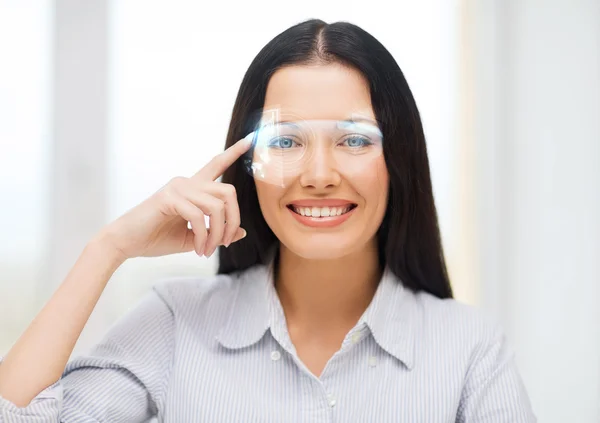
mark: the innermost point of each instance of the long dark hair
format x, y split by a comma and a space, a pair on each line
409, 238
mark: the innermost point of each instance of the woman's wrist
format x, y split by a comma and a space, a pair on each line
102, 246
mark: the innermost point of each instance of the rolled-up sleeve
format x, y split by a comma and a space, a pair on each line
494, 391
45, 407
124, 378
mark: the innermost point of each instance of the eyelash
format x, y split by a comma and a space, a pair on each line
275, 142
365, 141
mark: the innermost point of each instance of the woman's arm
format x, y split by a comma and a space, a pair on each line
38, 358
156, 227
124, 378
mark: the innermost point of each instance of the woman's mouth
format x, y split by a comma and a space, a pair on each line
321, 211
322, 216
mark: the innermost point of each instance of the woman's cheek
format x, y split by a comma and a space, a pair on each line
370, 181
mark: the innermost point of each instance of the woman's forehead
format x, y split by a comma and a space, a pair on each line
281, 113
318, 92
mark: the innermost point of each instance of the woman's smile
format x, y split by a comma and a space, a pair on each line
324, 213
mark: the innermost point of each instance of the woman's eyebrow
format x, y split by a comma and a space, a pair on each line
288, 123
354, 119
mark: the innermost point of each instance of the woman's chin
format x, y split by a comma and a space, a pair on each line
314, 250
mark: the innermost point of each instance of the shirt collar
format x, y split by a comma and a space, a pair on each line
249, 309
390, 316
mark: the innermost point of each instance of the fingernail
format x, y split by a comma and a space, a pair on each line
245, 233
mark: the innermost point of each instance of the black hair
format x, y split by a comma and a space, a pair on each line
408, 239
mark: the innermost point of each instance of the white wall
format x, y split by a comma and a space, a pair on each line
77, 182
537, 132
26, 28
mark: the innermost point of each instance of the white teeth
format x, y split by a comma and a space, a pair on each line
321, 211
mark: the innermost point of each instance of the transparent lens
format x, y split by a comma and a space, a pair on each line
282, 150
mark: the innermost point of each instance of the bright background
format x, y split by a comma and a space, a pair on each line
102, 102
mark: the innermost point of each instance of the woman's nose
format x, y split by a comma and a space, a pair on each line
320, 170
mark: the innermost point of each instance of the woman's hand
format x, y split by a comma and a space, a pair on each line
159, 225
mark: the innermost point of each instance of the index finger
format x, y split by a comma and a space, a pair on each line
219, 164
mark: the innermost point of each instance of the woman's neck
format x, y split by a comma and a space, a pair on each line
324, 296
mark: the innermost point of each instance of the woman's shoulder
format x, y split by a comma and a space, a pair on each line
187, 294
449, 321
453, 311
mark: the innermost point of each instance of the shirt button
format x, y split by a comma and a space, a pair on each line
275, 355
355, 337
331, 400
372, 361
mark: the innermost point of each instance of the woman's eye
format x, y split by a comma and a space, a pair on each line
282, 143
357, 142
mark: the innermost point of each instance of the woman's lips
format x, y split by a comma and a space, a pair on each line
322, 222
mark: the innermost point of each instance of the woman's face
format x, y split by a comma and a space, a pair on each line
329, 207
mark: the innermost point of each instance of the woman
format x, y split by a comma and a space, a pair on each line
332, 300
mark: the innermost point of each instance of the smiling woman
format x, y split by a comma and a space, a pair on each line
332, 300
332, 172
319, 168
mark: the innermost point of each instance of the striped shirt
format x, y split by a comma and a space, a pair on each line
217, 349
